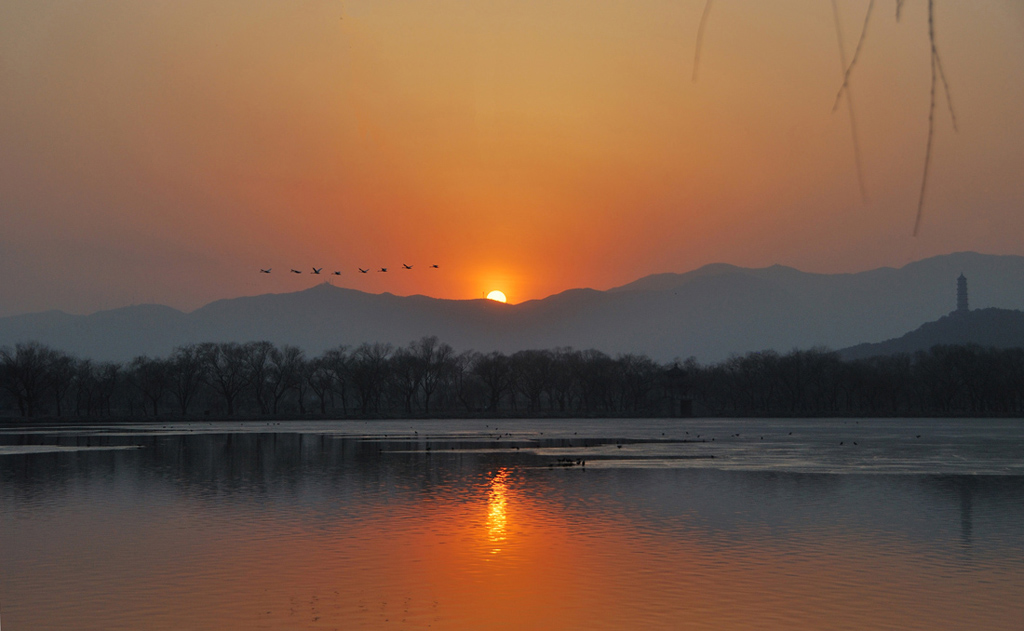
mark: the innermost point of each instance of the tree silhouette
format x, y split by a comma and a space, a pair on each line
25, 374
151, 377
226, 366
188, 373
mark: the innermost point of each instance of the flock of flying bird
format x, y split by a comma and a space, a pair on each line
317, 270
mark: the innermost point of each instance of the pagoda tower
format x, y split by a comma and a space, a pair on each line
961, 294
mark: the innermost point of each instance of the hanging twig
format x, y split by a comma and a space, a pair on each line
937, 74
931, 122
856, 53
845, 90
945, 87
700, 38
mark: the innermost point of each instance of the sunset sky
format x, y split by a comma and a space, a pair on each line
164, 151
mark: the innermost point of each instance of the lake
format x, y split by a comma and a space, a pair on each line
514, 524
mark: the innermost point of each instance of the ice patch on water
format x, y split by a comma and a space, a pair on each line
12, 450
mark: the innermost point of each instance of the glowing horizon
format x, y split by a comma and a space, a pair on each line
163, 153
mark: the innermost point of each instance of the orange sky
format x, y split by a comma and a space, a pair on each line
165, 151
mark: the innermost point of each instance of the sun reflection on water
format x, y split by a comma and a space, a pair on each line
497, 513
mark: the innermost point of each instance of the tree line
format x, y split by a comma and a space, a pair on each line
428, 378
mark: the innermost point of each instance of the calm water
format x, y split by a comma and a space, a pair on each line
908, 524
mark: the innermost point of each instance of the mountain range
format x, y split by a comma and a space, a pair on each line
999, 328
710, 313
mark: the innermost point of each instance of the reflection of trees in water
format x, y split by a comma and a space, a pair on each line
323, 476
218, 465
961, 490
989, 507
966, 519
952, 513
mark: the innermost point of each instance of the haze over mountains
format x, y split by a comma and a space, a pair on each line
709, 313
998, 328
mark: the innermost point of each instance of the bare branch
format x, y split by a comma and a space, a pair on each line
849, 98
856, 53
700, 38
931, 118
945, 87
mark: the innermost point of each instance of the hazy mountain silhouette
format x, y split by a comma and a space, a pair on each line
710, 313
1001, 328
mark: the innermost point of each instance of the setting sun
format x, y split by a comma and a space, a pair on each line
496, 296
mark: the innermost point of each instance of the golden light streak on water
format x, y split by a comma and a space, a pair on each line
497, 510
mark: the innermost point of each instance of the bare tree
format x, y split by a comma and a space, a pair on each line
467, 387
638, 375
258, 364
320, 380
284, 373
437, 361
226, 366
406, 376
533, 372
26, 374
595, 373
85, 387
108, 378
338, 362
61, 377
494, 370
370, 374
187, 374
151, 377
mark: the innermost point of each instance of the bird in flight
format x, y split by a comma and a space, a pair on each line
406, 266
363, 270
434, 266
337, 273
295, 271
317, 270
265, 271
383, 269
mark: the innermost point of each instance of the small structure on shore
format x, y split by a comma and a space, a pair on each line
961, 294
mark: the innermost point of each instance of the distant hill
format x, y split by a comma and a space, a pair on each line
1001, 328
709, 313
